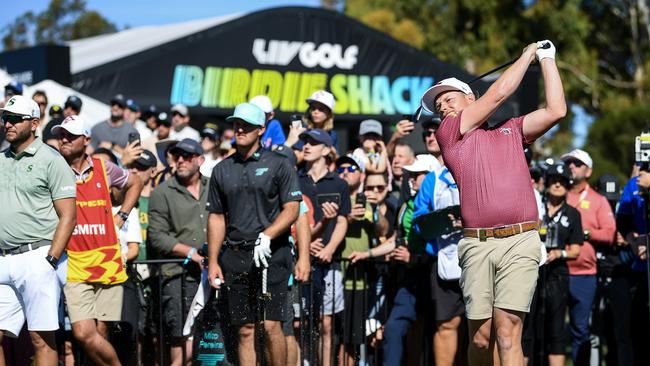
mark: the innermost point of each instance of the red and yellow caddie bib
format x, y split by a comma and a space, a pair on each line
94, 254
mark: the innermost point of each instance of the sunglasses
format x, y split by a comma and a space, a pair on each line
68, 136
319, 107
577, 163
184, 154
349, 169
379, 189
428, 133
14, 118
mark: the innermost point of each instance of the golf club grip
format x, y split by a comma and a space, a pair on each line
264, 280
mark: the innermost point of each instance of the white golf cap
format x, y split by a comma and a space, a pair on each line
22, 106
180, 109
429, 98
321, 96
73, 124
263, 102
581, 155
422, 163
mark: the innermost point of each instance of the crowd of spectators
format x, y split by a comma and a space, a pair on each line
373, 265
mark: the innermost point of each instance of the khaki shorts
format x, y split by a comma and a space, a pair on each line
93, 301
499, 273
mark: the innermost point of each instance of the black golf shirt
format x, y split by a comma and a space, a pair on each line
329, 184
251, 193
563, 228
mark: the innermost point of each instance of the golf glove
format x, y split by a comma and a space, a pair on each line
543, 53
262, 250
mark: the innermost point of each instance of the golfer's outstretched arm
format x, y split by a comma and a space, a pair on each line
538, 122
478, 112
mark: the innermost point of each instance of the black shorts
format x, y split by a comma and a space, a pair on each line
243, 285
173, 317
446, 295
354, 317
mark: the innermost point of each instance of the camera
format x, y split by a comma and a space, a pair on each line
642, 147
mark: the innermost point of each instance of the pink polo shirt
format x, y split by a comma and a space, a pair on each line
597, 217
491, 171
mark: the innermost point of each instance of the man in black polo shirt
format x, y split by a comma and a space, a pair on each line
254, 198
330, 197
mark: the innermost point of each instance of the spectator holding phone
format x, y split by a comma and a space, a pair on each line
326, 189
114, 133
319, 115
373, 150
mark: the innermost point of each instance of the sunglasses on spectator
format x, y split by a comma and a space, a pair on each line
14, 118
379, 189
349, 169
428, 133
68, 136
577, 163
184, 154
319, 107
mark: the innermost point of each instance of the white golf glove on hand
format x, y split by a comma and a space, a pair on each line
543, 53
262, 250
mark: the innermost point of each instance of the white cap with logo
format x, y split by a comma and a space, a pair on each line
22, 106
581, 155
73, 124
321, 96
263, 102
422, 163
429, 98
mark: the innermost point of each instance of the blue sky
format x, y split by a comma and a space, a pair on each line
143, 12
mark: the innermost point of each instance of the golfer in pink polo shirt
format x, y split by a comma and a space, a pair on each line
500, 251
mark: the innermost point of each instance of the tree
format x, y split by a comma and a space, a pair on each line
63, 20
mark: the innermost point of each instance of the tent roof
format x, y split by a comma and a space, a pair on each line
89, 52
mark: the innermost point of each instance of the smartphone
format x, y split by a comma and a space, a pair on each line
400, 242
134, 136
361, 199
296, 120
329, 197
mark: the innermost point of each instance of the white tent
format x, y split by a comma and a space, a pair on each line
92, 110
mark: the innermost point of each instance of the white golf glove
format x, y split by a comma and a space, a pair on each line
543, 53
262, 250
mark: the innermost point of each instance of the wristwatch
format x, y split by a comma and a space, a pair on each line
123, 215
52, 260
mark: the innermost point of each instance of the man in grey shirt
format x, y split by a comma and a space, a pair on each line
113, 133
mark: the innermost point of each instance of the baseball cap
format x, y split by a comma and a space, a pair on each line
132, 105
421, 164
263, 102
560, 170
318, 135
189, 146
609, 186
210, 130
119, 100
146, 160
180, 109
249, 113
163, 119
370, 126
73, 102
323, 97
150, 111
55, 110
14, 88
73, 124
429, 98
581, 155
23, 106
288, 153
352, 160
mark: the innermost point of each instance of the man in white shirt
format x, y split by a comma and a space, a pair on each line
181, 124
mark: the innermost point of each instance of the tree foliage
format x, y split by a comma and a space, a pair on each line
63, 20
603, 54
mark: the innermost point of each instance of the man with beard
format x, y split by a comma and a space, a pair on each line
114, 133
95, 269
177, 221
254, 199
37, 191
